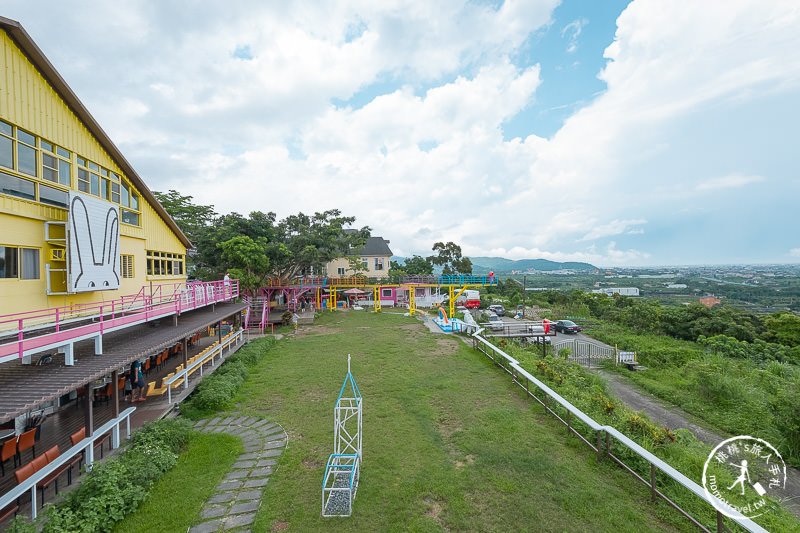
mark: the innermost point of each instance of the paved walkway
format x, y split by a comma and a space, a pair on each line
236, 499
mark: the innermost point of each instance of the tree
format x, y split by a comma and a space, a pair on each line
303, 242
294, 246
192, 219
783, 327
248, 261
418, 266
449, 258
356, 265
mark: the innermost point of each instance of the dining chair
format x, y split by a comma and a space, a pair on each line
9, 450
26, 440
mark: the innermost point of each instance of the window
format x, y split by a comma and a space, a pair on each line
15, 261
53, 196
17, 186
379, 263
386, 293
129, 217
30, 263
127, 266
341, 271
164, 264
129, 199
26, 153
8, 262
365, 263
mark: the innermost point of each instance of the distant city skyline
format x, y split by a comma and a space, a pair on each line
616, 133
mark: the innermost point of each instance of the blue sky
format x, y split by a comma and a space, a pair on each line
613, 132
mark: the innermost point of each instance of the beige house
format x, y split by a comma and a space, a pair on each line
375, 256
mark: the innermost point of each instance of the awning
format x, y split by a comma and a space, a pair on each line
25, 387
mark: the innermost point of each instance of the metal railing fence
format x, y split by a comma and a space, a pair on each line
86, 445
550, 399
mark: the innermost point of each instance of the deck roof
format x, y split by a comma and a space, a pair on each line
25, 387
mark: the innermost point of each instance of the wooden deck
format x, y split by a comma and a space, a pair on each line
57, 427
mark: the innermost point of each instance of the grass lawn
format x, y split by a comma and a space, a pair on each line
449, 442
177, 498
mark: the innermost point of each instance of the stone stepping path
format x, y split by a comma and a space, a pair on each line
236, 499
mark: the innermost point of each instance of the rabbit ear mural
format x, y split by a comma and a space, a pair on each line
93, 244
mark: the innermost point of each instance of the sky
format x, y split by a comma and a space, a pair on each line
619, 133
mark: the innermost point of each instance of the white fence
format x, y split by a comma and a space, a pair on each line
86, 445
533, 387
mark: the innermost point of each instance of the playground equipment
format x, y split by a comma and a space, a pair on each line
324, 292
340, 483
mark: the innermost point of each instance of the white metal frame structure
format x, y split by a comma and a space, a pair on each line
342, 470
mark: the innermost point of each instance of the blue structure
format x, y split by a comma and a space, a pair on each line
340, 484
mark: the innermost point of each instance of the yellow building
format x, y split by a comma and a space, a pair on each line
374, 257
77, 223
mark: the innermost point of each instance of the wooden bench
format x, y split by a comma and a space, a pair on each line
51, 455
152, 390
79, 435
8, 511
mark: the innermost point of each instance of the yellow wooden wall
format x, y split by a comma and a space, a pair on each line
29, 102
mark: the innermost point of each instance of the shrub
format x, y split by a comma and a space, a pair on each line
115, 488
217, 390
173, 434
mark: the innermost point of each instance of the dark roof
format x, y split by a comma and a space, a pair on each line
18, 34
27, 386
376, 246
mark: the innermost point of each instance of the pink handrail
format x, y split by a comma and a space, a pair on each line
165, 300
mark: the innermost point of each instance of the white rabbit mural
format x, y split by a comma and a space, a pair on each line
94, 244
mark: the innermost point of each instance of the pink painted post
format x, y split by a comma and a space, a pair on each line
19, 337
58, 325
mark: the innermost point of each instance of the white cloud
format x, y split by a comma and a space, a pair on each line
731, 181
615, 227
572, 31
794, 252
270, 132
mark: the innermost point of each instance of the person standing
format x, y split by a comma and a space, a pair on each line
138, 382
295, 318
128, 385
226, 284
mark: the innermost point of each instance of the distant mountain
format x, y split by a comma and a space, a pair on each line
500, 264
484, 265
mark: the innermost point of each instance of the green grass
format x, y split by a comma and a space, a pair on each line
176, 499
449, 442
734, 396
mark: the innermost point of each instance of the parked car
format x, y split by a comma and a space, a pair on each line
567, 326
495, 323
461, 309
538, 334
498, 309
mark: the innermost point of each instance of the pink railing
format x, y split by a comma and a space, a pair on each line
70, 322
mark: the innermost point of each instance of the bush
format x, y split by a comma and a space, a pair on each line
217, 390
113, 489
172, 434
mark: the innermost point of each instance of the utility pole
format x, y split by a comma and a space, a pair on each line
524, 282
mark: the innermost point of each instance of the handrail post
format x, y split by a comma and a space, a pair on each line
34, 505
599, 449
19, 338
115, 436
652, 482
